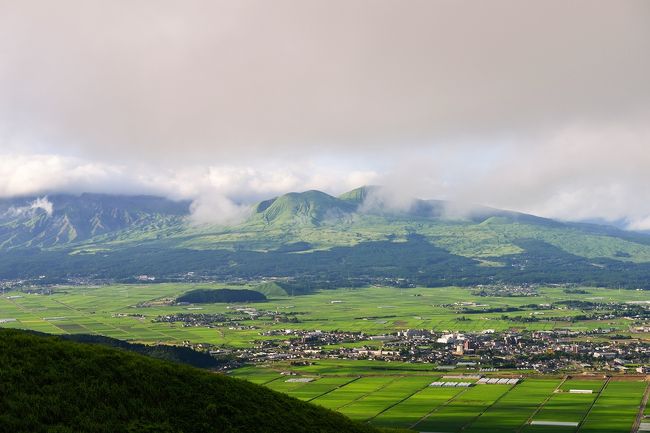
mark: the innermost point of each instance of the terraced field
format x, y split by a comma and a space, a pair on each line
539, 405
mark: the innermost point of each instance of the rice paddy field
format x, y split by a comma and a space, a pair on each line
535, 404
127, 311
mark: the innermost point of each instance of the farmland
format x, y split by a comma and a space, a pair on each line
127, 312
394, 392
404, 399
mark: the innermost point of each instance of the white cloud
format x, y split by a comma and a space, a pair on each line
220, 193
44, 204
30, 174
217, 209
41, 203
231, 81
227, 102
642, 224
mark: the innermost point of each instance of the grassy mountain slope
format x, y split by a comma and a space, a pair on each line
358, 195
307, 208
60, 220
282, 236
51, 385
476, 233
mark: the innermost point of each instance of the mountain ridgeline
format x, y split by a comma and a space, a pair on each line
312, 240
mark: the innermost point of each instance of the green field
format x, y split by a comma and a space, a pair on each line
567, 407
615, 409
406, 401
113, 311
464, 409
390, 394
515, 408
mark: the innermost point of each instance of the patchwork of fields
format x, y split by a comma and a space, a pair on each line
534, 405
117, 311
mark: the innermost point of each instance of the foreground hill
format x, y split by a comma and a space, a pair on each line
364, 236
51, 385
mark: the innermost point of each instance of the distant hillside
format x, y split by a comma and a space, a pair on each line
307, 208
52, 385
367, 235
57, 220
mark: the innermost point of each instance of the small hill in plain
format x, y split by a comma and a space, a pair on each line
51, 385
211, 296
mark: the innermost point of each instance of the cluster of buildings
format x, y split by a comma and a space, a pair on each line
541, 351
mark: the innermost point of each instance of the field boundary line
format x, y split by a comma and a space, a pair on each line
541, 405
272, 380
440, 406
473, 420
593, 403
398, 402
98, 320
117, 328
639, 416
335, 388
34, 316
367, 393
83, 315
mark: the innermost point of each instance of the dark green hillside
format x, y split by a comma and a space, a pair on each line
207, 296
51, 385
183, 355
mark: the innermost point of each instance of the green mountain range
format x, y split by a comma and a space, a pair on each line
52, 385
363, 235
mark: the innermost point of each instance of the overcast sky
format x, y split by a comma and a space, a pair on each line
537, 106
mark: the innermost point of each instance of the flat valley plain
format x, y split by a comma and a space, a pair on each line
391, 394
127, 312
